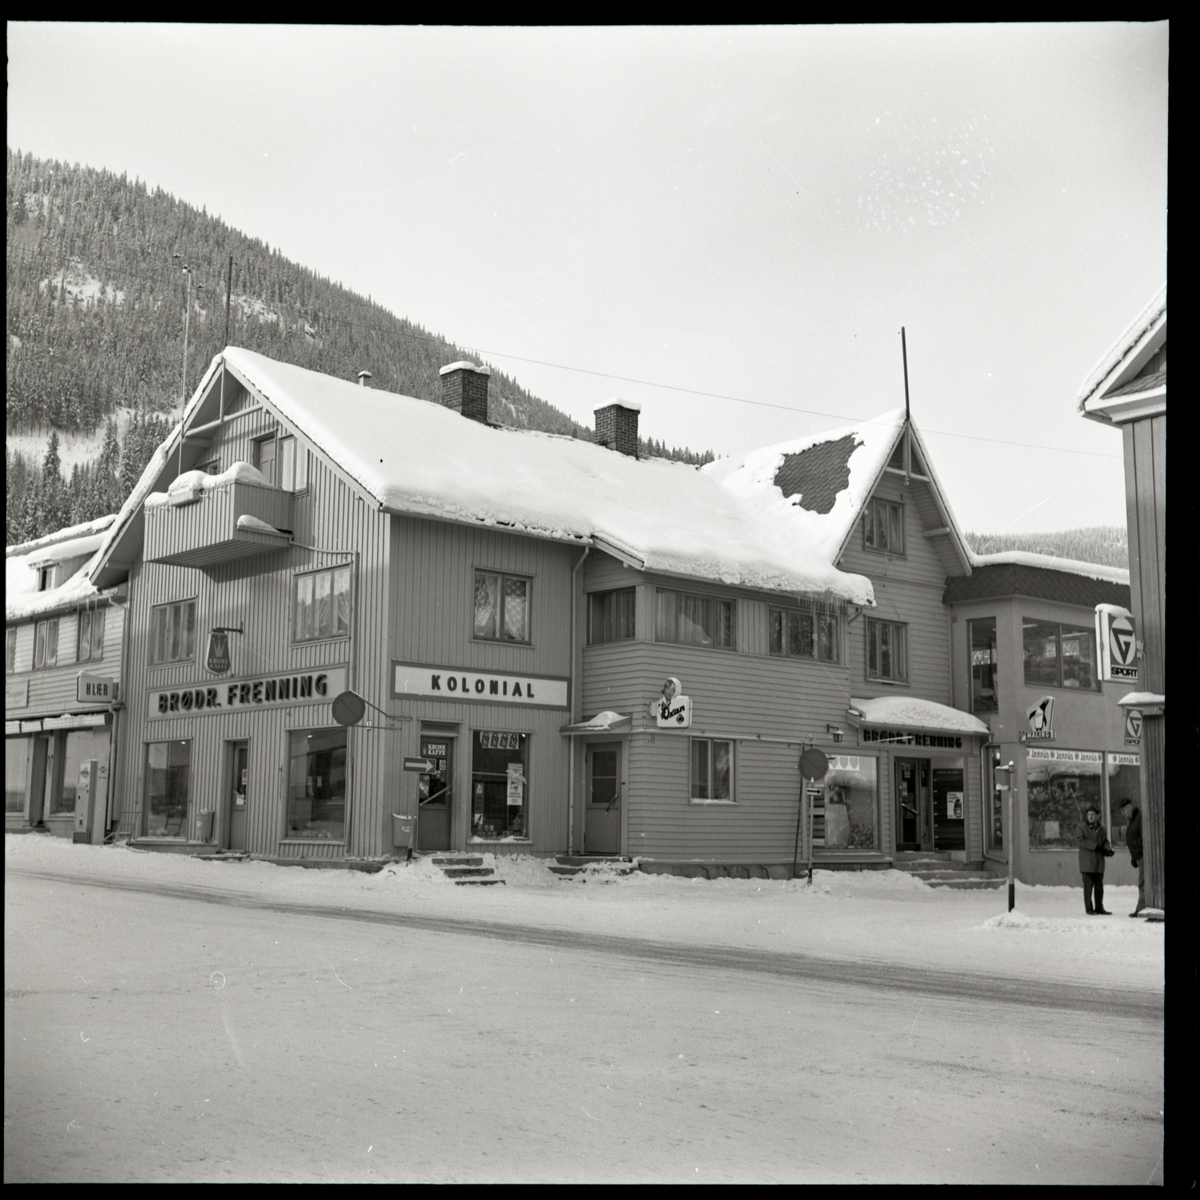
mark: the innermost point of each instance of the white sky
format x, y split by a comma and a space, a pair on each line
745, 212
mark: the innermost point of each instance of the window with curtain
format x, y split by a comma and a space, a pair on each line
611, 615
501, 607
173, 632
691, 620
812, 632
322, 608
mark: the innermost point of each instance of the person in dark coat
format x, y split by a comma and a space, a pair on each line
1133, 841
1093, 850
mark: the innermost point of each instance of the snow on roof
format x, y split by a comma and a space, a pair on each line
1050, 562
756, 477
911, 712
423, 459
201, 481
22, 600
1112, 357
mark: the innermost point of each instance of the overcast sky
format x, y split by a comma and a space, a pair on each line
729, 226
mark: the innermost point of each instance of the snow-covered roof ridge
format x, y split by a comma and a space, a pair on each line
1150, 315
423, 459
69, 534
1051, 562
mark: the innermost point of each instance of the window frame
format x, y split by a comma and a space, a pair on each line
289, 461
709, 769
817, 613
872, 625
334, 741
155, 610
503, 578
611, 616
676, 617
980, 703
871, 523
184, 832
1060, 658
42, 659
95, 622
335, 635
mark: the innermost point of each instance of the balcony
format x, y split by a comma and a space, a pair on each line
209, 521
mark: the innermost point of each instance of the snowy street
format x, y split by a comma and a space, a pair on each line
170, 1020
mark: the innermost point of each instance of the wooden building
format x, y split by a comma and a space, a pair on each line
1128, 389
64, 639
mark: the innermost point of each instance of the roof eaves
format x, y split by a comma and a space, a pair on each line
1137, 340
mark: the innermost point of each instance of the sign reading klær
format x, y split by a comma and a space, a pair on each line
270, 691
454, 683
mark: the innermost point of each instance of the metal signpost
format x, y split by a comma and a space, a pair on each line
813, 766
1009, 837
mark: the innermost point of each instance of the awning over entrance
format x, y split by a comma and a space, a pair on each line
602, 722
908, 714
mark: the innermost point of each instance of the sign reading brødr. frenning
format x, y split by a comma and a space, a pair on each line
312, 686
488, 687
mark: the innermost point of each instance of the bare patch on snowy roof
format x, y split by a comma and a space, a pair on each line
816, 475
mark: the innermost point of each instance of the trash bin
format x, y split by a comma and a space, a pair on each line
402, 832
204, 825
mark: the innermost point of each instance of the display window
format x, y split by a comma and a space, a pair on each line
1124, 779
1060, 785
850, 804
499, 784
983, 664
168, 767
317, 784
16, 773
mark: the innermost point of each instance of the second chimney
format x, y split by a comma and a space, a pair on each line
465, 389
617, 426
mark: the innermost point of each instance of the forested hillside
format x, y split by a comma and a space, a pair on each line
95, 302
1107, 545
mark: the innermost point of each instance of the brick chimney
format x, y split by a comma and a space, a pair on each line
465, 389
617, 426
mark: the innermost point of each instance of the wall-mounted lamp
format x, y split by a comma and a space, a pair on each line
836, 733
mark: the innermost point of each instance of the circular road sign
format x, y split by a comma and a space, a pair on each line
348, 708
813, 763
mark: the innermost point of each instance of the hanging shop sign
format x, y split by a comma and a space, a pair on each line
1116, 638
672, 710
485, 687
267, 691
1041, 721
95, 689
218, 652
1133, 727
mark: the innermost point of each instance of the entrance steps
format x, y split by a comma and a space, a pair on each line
941, 870
465, 869
577, 864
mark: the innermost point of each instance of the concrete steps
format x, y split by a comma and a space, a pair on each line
466, 869
940, 870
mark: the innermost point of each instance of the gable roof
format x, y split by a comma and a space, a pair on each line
422, 459
1134, 367
22, 600
1039, 577
827, 478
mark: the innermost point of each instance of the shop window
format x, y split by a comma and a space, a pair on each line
499, 767
168, 767
804, 633
1124, 779
91, 634
173, 632
611, 616
693, 620
16, 773
887, 651
10, 650
322, 607
846, 817
317, 784
45, 644
883, 527
1060, 785
1058, 655
712, 770
501, 607
982, 634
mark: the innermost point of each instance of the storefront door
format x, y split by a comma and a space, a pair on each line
914, 829
433, 795
602, 812
238, 792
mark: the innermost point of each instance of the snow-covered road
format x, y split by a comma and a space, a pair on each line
174, 1020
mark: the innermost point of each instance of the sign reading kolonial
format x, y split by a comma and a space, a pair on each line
269, 691
454, 683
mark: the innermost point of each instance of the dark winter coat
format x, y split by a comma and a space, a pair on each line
1133, 837
1093, 848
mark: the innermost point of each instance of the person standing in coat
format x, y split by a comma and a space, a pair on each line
1133, 841
1093, 850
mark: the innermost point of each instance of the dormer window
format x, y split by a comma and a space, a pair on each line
45, 579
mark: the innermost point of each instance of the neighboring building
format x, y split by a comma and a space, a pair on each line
1128, 388
1026, 653
299, 537
63, 648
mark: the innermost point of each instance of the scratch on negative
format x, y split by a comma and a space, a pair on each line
339, 978
914, 1024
